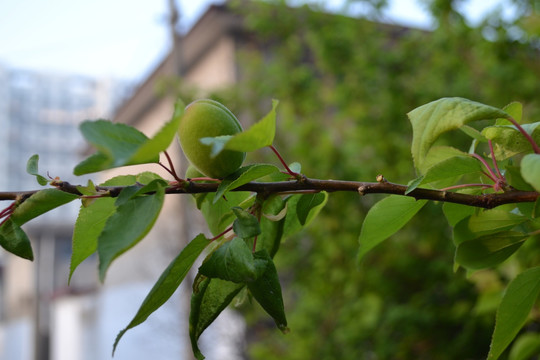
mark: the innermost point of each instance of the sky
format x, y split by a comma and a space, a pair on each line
121, 38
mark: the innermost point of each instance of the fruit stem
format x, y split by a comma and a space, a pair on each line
529, 138
289, 171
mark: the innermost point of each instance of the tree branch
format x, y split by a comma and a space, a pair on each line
486, 201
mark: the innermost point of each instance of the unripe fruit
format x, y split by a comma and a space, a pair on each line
208, 118
192, 172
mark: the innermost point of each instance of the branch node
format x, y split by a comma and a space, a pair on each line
381, 179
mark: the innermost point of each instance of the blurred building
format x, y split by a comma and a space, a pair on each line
39, 114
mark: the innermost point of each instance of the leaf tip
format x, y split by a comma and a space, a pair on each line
117, 340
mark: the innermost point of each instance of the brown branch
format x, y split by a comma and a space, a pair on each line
486, 201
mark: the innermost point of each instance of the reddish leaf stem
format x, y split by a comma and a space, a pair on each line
221, 234
168, 170
7, 213
494, 160
171, 169
463, 186
491, 174
289, 171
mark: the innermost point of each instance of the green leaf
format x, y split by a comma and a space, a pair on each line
494, 220
515, 178
146, 177
514, 309
414, 183
530, 170
12, 237
473, 133
449, 168
116, 143
292, 222
514, 109
210, 297
217, 143
126, 194
384, 219
219, 216
243, 176
266, 289
127, 226
32, 169
435, 118
307, 203
454, 213
15, 240
246, 225
40, 203
259, 135
489, 250
509, 141
131, 192
115, 139
525, 347
272, 230
89, 189
232, 261
122, 145
485, 222
296, 167
94, 163
89, 224
438, 154
150, 150
121, 180
452, 167
167, 283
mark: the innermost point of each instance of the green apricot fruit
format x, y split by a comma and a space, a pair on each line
192, 172
209, 118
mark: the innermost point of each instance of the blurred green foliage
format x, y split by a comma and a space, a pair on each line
345, 85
